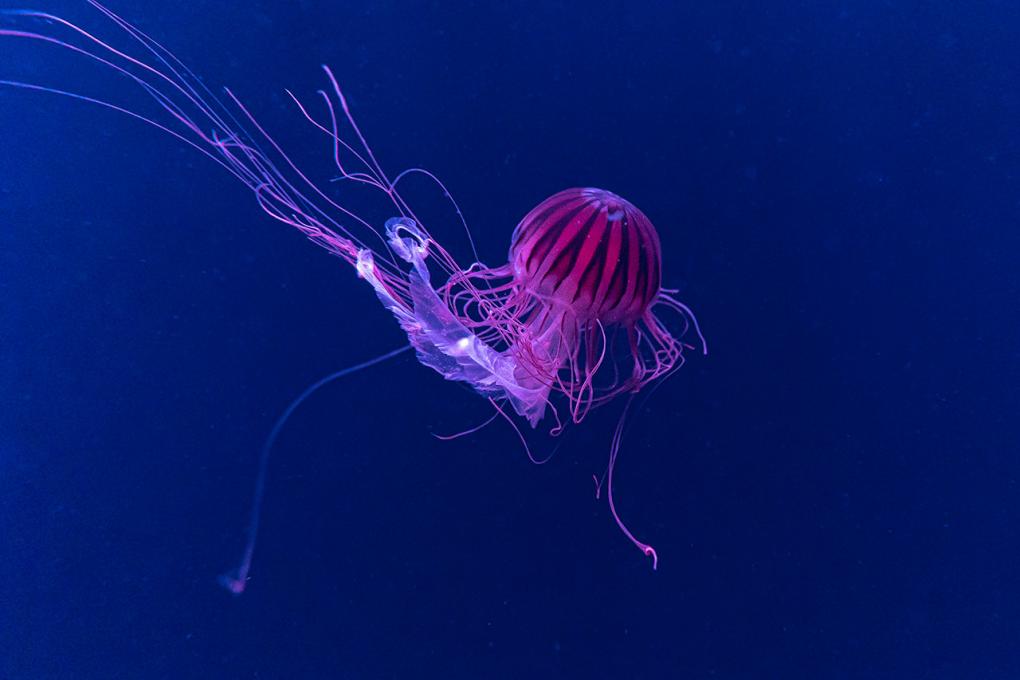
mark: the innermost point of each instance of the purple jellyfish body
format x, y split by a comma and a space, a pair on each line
567, 325
584, 268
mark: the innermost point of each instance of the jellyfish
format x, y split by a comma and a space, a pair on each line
571, 322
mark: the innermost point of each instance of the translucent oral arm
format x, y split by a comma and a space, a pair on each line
440, 339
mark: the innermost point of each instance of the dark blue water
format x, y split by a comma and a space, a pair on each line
833, 491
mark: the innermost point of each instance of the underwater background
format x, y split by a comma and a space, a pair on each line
832, 491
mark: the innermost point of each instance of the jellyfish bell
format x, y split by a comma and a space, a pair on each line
577, 250
592, 262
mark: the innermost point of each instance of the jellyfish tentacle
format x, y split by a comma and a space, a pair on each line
614, 450
236, 580
462, 433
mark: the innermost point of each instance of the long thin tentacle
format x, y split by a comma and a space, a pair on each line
236, 580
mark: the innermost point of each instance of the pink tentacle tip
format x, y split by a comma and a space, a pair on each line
232, 583
650, 551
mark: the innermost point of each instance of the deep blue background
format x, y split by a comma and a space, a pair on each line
833, 491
